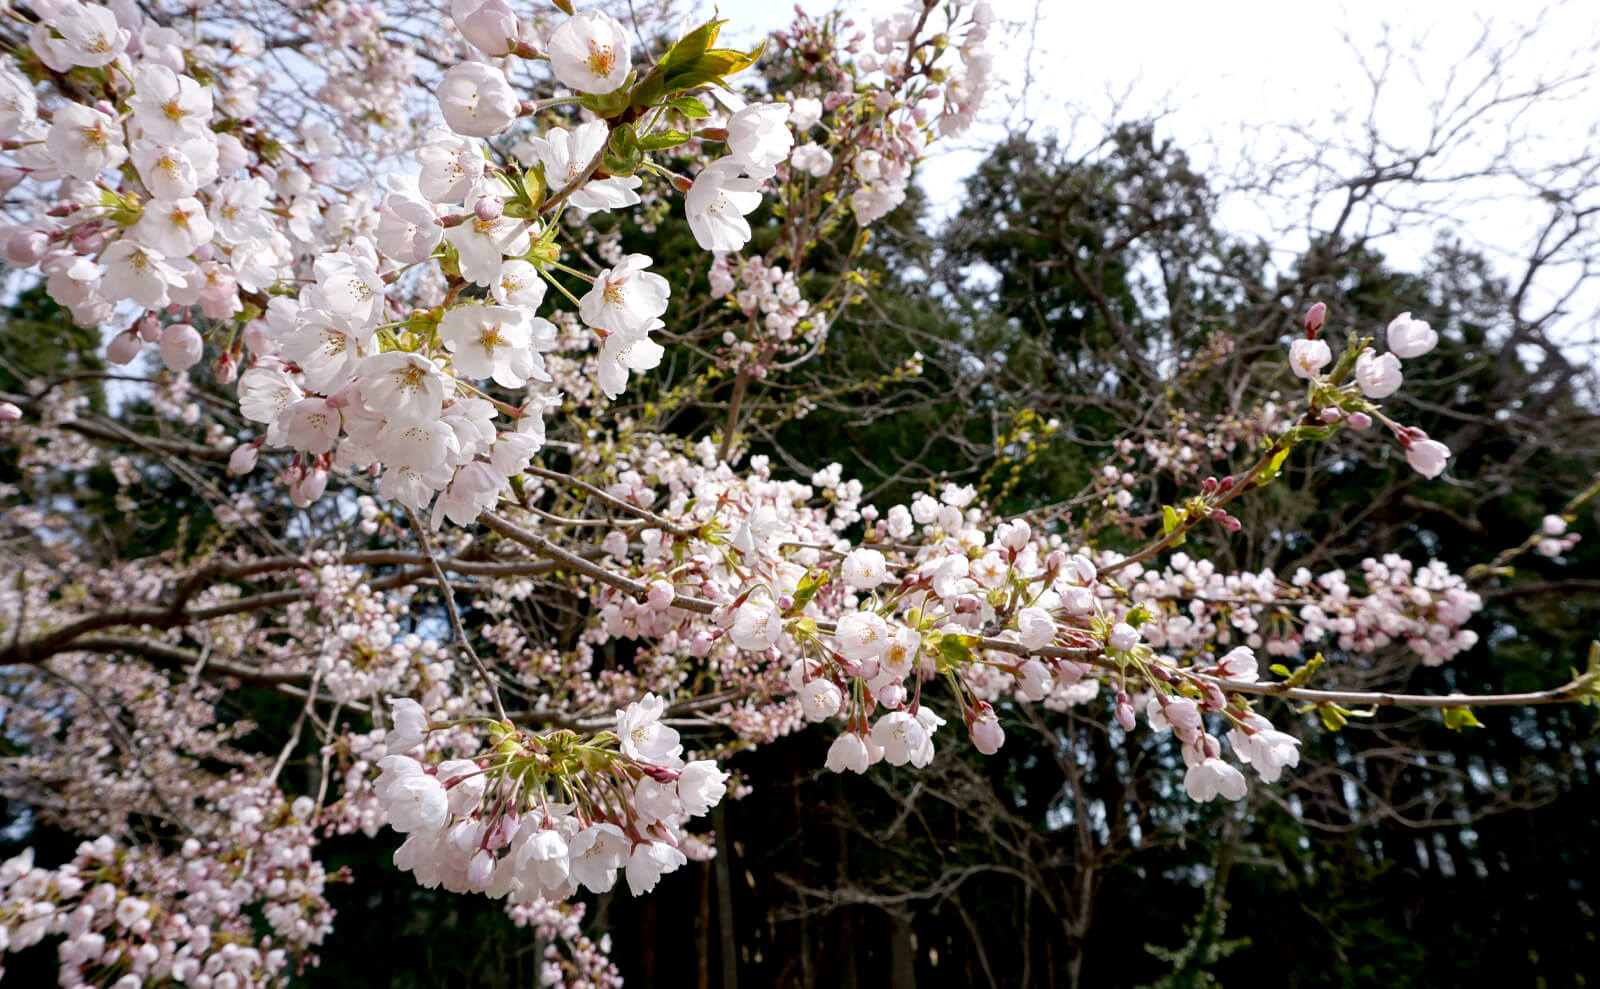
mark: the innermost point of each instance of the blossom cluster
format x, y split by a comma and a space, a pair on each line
540, 816
415, 346
1372, 376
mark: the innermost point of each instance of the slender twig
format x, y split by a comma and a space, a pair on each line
449, 596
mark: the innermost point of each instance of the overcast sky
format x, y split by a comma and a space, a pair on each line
1223, 71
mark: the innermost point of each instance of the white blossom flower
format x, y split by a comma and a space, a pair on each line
170, 108
519, 284
590, 53
175, 227
625, 299
1378, 376
813, 159
566, 155
649, 861
310, 425
1123, 637
622, 353
1035, 627
1409, 337
1427, 457
756, 626
848, 751
73, 34
134, 271
716, 205
175, 171
406, 387
758, 138
410, 725
1307, 358
804, 113
900, 735
864, 569
701, 786
861, 635
451, 166
644, 738
476, 100
417, 803
497, 342
488, 25
1210, 778
820, 699
595, 854
483, 245
83, 142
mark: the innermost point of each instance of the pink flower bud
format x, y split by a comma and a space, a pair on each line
341, 396
25, 247
660, 594
9, 412
1125, 716
1358, 420
225, 369
243, 459
1330, 416
892, 695
310, 488
1315, 317
149, 328
124, 347
987, 735
181, 346
489, 208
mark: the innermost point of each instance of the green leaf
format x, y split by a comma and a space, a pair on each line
1279, 669
693, 44
1169, 519
663, 140
1333, 716
689, 107
623, 156
1460, 719
1301, 676
809, 585
955, 651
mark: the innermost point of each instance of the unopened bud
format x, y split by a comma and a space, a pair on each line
489, 208
1208, 485
9, 412
243, 459
26, 247
1330, 416
340, 397
149, 328
124, 347
1125, 716
1358, 420
225, 369
1315, 317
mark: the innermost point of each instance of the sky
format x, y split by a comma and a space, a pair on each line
1231, 74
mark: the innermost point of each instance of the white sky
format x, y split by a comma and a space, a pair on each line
1230, 68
